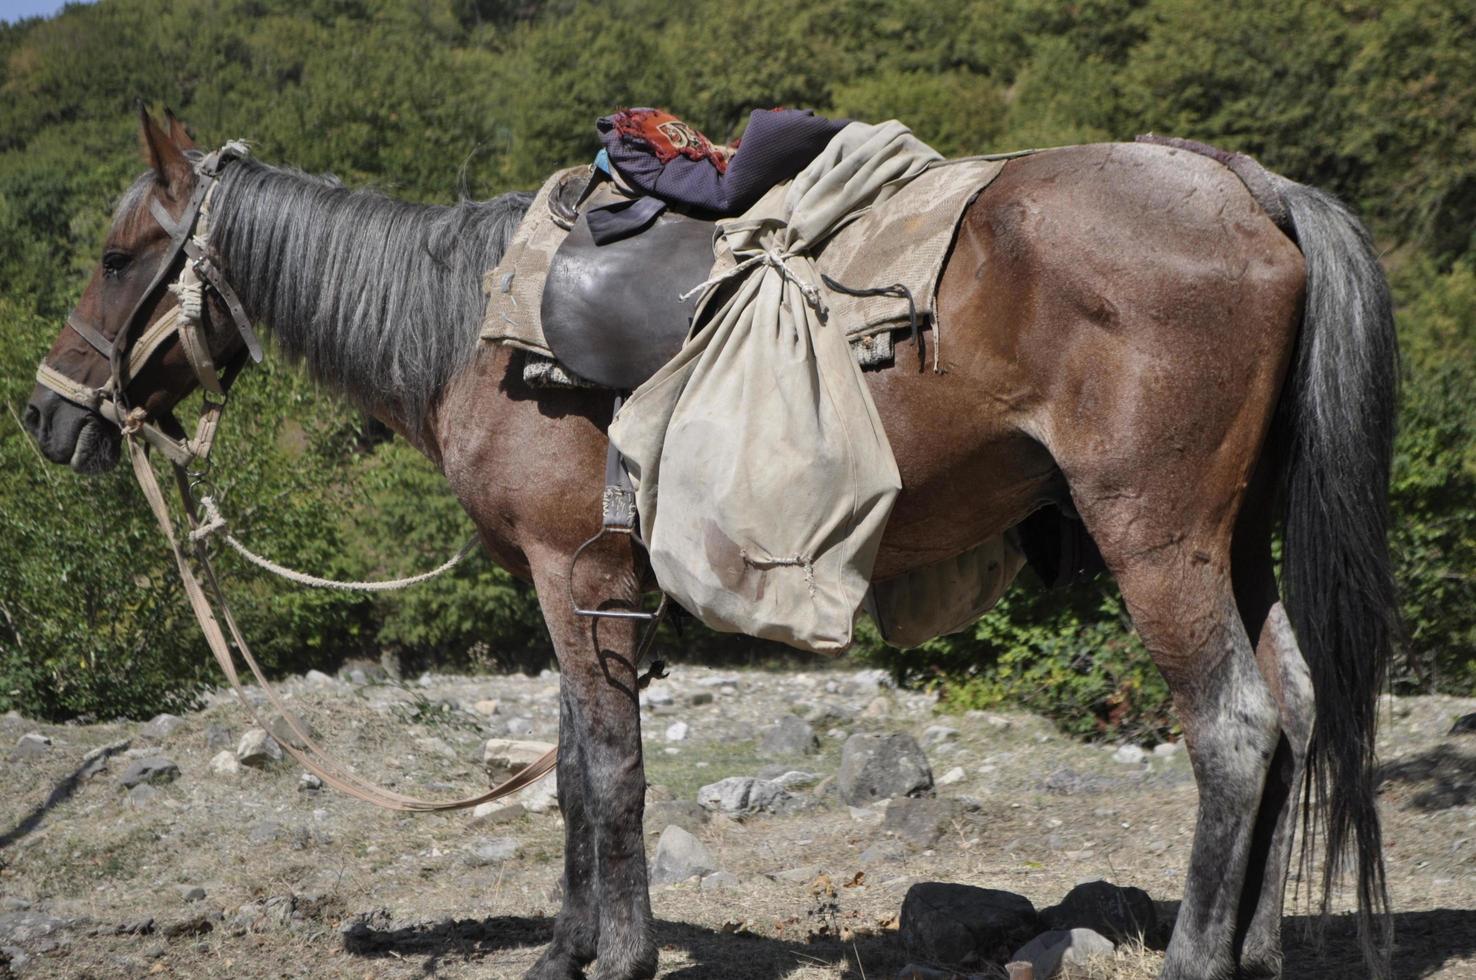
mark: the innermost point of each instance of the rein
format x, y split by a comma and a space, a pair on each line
187, 320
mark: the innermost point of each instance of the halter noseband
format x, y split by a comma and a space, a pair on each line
188, 320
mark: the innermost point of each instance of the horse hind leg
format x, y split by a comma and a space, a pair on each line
1174, 573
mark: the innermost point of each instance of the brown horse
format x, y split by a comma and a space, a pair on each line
1131, 341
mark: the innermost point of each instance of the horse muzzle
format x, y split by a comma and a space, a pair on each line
69, 433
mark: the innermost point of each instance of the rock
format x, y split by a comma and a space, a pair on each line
884, 852
155, 770
503, 757
490, 850
280, 728
257, 749
218, 738
1129, 755
875, 767
797, 779
657, 696
676, 731
1166, 750
32, 745
225, 763
697, 698
738, 795
496, 812
1118, 913
1464, 725
316, 678
921, 822
265, 832
27, 926
190, 893
953, 776
801, 875
679, 856
878, 707
160, 726
142, 795
541, 797
792, 735
685, 814
719, 881
1058, 952
487, 706
867, 816
961, 925
938, 734
192, 925
866, 683
308, 783
518, 727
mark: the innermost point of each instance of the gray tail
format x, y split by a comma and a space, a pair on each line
1336, 428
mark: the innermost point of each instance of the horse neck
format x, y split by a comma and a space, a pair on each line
380, 299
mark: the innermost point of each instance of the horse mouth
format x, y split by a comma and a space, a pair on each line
96, 450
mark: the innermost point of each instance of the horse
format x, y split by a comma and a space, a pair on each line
1136, 342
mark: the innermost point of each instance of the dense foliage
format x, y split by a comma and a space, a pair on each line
433, 98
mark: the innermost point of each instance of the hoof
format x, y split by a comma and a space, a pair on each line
559, 966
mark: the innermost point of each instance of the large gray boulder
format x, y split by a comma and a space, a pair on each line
877, 767
961, 925
1115, 912
679, 856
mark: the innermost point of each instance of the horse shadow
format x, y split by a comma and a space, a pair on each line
713, 952
1441, 777
1424, 943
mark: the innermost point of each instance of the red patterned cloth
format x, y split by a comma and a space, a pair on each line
667, 137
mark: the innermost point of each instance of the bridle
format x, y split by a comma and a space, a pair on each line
126, 354
137, 341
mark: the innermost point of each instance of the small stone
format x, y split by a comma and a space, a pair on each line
961, 925
686, 814
308, 783
938, 734
877, 707
797, 779
257, 749
801, 875
679, 856
1129, 755
520, 727
281, 728
697, 698
190, 893
866, 683
657, 695
155, 769
676, 731
867, 816
1063, 951
719, 881
504, 757
738, 795
160, 726
142, 796
316, 678
493, 813
491, 850
792, 735
1165, 750
541, 797
225, 763
218, 738
952, 776
487, 706
32, 745
875, 767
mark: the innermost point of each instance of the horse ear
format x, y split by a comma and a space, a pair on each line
167, 160
177, 131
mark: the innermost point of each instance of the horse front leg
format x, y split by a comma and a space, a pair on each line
606, 901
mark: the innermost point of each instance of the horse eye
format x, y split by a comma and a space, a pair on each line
114, 262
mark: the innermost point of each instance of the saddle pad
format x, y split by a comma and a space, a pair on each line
905, 241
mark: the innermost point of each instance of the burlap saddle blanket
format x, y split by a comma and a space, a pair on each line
763, 475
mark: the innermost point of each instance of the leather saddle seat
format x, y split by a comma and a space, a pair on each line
613, 313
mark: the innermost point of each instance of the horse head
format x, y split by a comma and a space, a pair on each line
137, 343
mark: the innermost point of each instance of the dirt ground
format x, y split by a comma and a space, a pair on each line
249, 874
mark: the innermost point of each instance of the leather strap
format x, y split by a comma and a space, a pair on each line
311, 756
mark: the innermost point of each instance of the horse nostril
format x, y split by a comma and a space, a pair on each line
32, 421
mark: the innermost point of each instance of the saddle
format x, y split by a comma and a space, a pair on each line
612, 313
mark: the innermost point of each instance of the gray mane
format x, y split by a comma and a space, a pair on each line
381, 299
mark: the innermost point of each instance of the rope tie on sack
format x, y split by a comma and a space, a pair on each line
213, 523
775, 259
